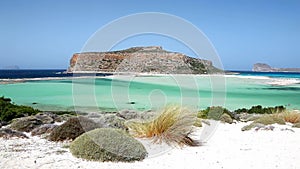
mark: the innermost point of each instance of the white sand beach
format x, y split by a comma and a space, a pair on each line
228, 148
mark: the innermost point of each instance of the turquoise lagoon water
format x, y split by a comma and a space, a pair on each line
150, 92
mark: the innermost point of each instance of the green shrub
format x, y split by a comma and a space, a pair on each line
198, 123
225, 118
202, 114
261, 110
9, 111
213, 113
72, 128
108, 144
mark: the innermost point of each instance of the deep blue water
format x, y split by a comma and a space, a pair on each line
20, 74
16, 74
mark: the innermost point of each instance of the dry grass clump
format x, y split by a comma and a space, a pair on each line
173, 126
270, 119
290, 116
279, 118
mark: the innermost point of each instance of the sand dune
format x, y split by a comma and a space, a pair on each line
229, 147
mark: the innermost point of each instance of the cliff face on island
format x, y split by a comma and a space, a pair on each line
262, 67
151, 59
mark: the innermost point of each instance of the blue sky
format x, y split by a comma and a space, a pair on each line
44, 34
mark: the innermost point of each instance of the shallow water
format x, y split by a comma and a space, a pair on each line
143, 93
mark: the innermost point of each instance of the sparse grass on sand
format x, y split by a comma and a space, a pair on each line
290, 116
279, 118
174, 125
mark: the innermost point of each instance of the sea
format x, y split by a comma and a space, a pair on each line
54, 90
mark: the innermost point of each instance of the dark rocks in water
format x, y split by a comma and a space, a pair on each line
34, 103
9, 133
43, 129
26, 124
8, 100
130, 102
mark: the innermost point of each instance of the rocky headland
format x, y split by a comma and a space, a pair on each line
262, 67
151, 59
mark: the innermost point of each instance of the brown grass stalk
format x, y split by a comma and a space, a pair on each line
290, 116
174, 125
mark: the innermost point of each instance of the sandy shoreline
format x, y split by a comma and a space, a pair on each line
229, 147
267, 80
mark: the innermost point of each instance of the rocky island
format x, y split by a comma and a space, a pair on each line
262, 67
151, 59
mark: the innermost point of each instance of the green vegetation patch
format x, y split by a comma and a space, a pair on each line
214, 113
261, 110
9, 111
270, 119
107, 144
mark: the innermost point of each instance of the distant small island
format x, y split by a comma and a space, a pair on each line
262, 67
12, 67
150, 59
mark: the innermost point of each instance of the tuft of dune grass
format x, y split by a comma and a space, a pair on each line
173, 125
279, 118
290, 116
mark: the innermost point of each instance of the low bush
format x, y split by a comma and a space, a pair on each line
173, 126
198, 123
108, 144
214, 113
270, 119
72, 128
9, 111
225, 118
261, 110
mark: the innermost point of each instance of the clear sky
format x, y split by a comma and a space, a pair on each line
45, 33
